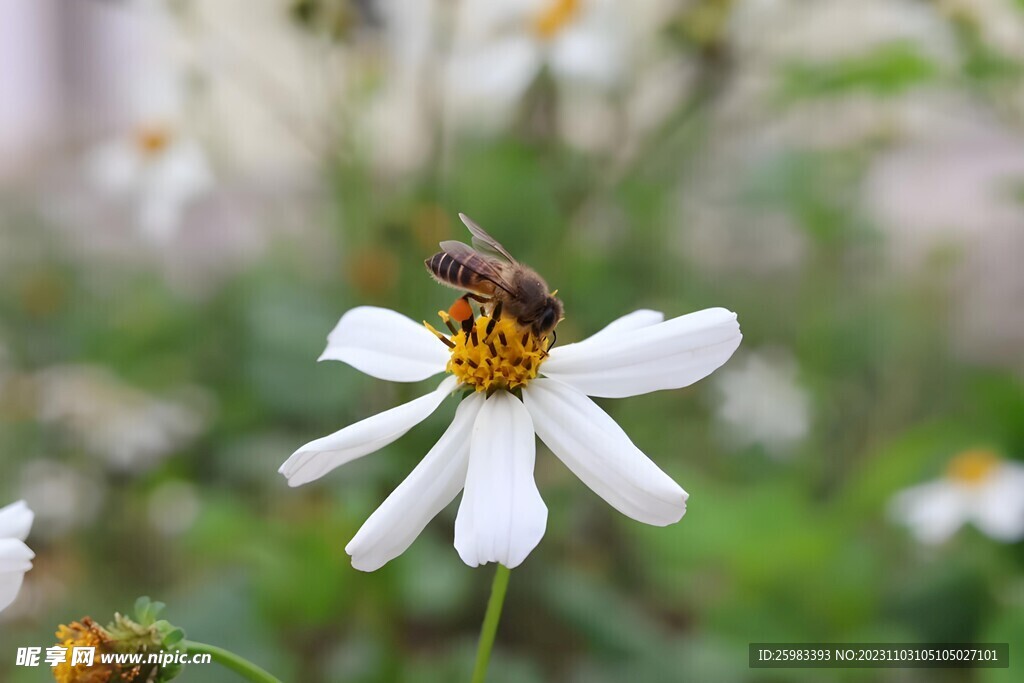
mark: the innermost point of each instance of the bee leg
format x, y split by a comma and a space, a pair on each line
495, 316
554, 339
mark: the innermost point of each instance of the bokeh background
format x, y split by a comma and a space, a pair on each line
194, 192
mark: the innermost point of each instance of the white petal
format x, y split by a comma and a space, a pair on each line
319, 457
386, 345
15, 520
933, 512
587, 54
595, 448
643, 317
10, 584
15, 560
15, 555
487, 78
160, 217
999, 506
183, 171
114, 167
501, 517
669, 355
432, 484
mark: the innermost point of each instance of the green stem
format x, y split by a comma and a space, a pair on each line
490, 626
230, 660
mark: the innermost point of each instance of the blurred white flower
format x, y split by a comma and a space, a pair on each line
502, 45
149, 163
125, 426
761, 402
489, 449
979, 487
15, 556
158, 168
64, 498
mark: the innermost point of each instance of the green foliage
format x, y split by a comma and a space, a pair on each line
886, 71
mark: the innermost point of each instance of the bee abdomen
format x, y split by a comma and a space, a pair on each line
448, 270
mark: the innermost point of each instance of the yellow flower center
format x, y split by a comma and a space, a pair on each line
490, 353
86, 633
972, 467
152, 140
554, 18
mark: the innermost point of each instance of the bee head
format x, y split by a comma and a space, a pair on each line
550, 315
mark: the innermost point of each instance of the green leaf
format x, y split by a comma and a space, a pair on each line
889, 70
173, 637
146, 610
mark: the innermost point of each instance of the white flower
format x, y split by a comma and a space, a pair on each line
979, 488
64, 498
151, 163
489, 448
129, 428
762, 402
15, 556
504, 44
158, 168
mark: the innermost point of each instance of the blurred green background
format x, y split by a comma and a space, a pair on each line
848, 177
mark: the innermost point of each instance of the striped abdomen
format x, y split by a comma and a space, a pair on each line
451, 272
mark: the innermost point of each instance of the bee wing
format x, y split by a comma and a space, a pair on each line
490, 269
484, 242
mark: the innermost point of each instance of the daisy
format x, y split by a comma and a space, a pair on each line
125, 426
158, 168
15, 556
762, 402
503, 46
978, 487
514, 386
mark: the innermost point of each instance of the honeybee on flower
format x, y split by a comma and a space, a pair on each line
503, 282
514, 385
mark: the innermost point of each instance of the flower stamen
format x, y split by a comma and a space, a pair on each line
972, 467
482, 356
84, 634
555, 17
152, 139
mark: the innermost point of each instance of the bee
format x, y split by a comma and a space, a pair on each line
493, 276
